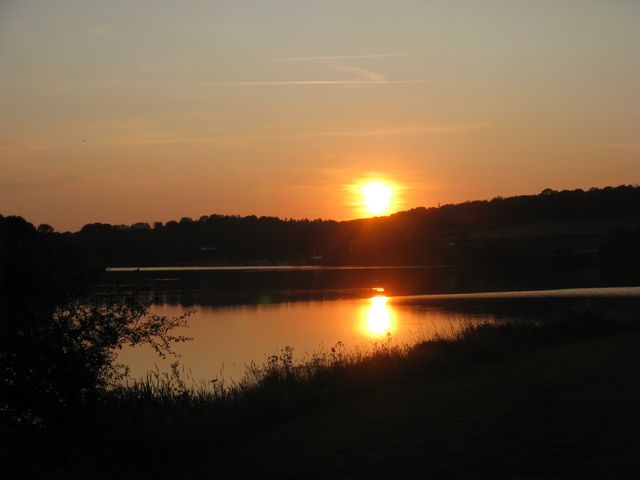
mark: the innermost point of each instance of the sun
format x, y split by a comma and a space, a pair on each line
377, 198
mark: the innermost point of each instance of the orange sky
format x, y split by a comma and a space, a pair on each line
139, 111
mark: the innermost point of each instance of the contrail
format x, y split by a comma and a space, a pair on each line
319, 82
342, 57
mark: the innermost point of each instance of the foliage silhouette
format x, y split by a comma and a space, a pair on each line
443, 235
57, 348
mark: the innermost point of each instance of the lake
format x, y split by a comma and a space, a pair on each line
232, 326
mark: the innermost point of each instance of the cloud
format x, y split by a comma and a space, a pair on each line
317, 82
100, 30
19, 149
220, 137
342, 57
369, 75
401, 130
153, 68
625, 146
151, 140
363, 75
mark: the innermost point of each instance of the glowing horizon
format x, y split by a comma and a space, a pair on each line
118, 116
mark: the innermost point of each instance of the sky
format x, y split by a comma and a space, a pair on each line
127, 111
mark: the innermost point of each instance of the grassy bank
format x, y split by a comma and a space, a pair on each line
563, 411
164, 427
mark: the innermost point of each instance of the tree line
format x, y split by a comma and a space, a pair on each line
421, 235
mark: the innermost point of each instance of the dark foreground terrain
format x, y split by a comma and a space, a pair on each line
569, 411
554, 399
556, 396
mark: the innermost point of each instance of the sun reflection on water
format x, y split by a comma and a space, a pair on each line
378, 316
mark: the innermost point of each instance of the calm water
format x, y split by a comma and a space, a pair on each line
227, 338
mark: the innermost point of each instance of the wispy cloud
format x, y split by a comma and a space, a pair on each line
153, 137
317, 82
364, 76
400, 130
19, 149
35, 183
364, 73
342, 57
100, 30
153, 68
221, 137
626, 146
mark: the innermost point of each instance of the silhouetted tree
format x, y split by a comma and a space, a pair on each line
419, 235
44, 228
57, 349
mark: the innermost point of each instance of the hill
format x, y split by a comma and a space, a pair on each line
596, 226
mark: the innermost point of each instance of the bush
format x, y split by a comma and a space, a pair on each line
57, 349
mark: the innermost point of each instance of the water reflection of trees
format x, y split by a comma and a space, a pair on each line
217, 289
200, 295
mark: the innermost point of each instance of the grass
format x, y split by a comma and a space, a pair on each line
163, 424
563, 411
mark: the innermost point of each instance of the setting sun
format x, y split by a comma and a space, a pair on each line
319, 229
377, 198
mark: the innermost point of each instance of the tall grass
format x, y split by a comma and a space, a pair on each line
285, 386
169, 414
